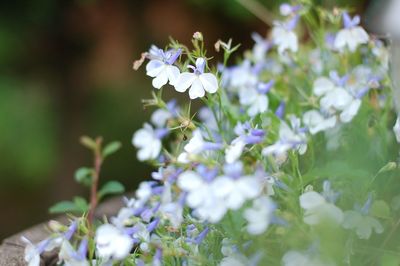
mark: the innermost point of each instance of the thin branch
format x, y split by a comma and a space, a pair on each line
258, 10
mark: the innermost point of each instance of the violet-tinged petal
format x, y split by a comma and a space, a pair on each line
71, 230
252, 139
367, 205
280, 111
200, 65
257, 132
210, 146
158, 256
201, 236
292, 23
265, 87
234, 170
157, 190
347, 23
161, 132
131, 230
174, 56
153, 225
146, 215
361, 93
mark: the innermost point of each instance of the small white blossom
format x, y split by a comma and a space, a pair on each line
147, 142
111, 243
363, 224
197, 82
259, 216
352, 35
297, 258
201, 197
161, 67
396, 129
317, 209
284, 36
316, 122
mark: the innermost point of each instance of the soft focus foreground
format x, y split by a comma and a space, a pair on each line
285, 155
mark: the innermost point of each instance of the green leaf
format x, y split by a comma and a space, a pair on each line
63, 207
81, 204
396, 203
88, 142
84, 176
380, 209
111, 187
388, 167
111, 148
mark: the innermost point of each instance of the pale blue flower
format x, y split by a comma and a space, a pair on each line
360, 221
351, 35
197, 82
284, 37
161, 68
260, 215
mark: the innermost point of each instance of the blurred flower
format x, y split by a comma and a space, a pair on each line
259, 216
111, 243
352, 35
317, 209
147, 140
284, 37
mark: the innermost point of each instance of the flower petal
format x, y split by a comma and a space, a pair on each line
184, 81
209, 82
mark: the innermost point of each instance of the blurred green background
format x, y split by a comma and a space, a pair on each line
65, 71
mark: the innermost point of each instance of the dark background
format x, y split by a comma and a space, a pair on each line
66, 71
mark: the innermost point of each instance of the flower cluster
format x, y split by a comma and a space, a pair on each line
273, 167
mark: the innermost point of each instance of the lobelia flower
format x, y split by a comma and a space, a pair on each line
352, 35
243, 75
160, 116
148, 141
201, 196
360, 221
335, 98
289, 138
161, 68
255, 97
318, 209
196, 146
233, 188
284, 37
112, 243
259, 216
298, 258
246, 135
198, 81
260, 47
69, 256
32, 252
316, 122
396, 129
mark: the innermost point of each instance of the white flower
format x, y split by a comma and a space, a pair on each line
352, 35
316, 122
147, 142
160, 67
289, 138
111, 243
296, 258
363, 224
284, 36
201, 197
234, 260
198, 82
234, 192
70, 257
259, 215
336, 99
192, 148
255, 99
234, 151
396, 129
160, 117
317, 209
31, 254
